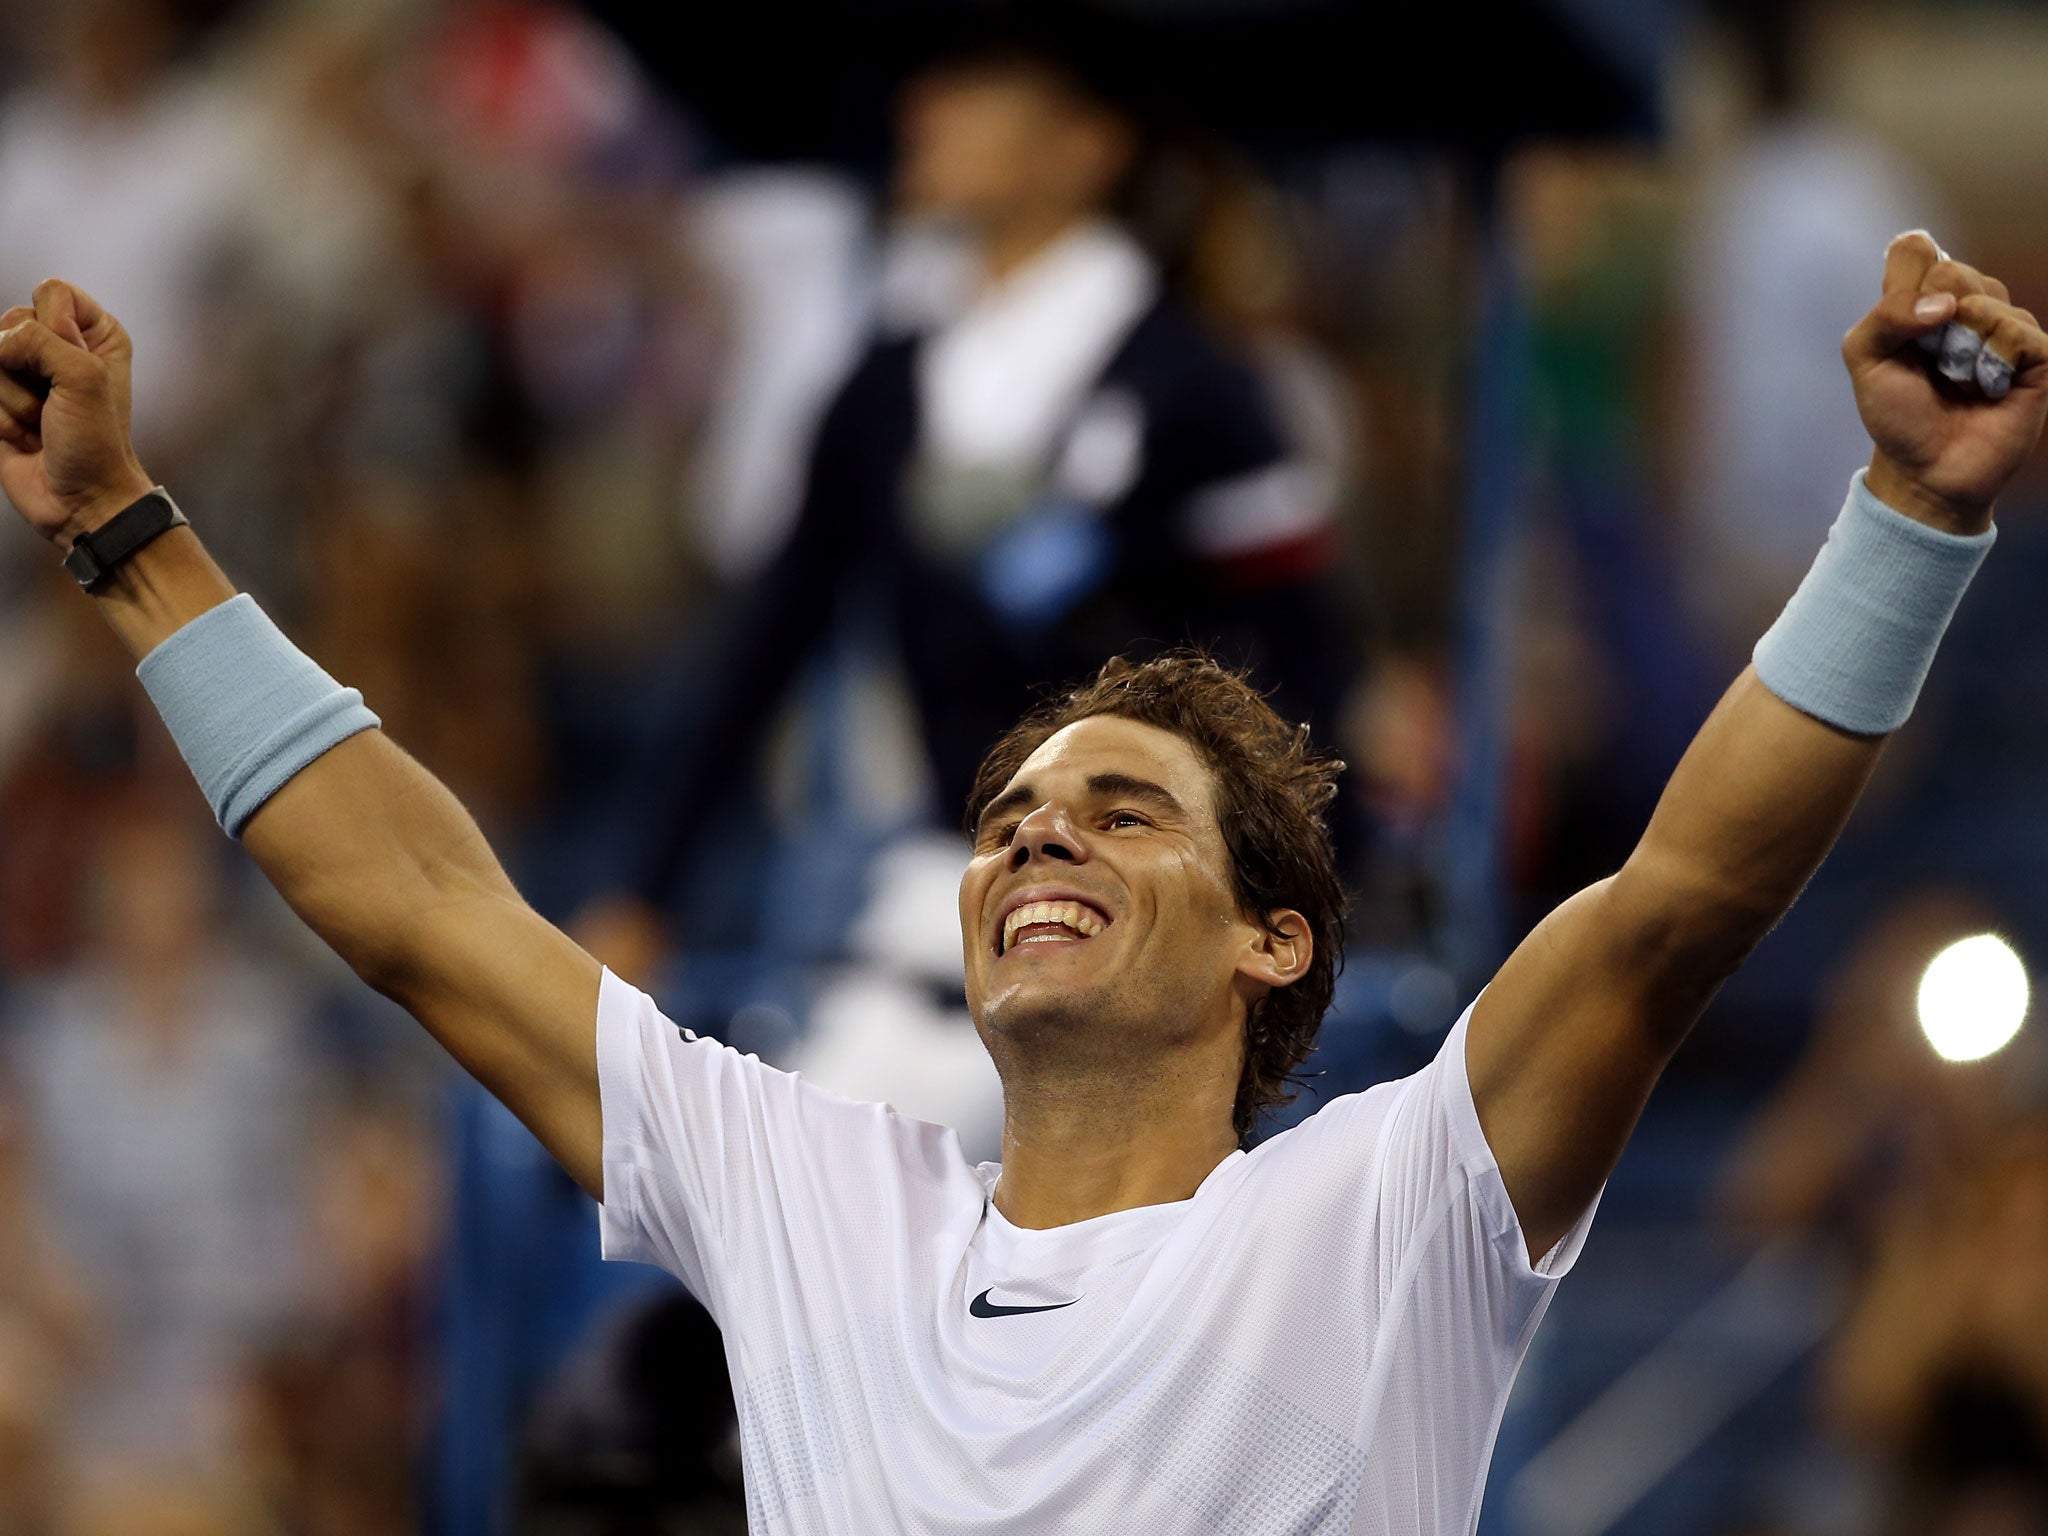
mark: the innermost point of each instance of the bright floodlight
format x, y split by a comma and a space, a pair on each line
1973, 998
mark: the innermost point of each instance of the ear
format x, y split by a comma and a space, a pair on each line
1279, 950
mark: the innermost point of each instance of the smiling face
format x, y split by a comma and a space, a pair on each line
1099, 915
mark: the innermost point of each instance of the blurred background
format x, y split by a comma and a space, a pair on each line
698, 432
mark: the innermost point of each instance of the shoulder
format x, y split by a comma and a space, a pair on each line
726, 1170
665, 1086
1353, 1121
1171, 351
1203, 397
1423, 1124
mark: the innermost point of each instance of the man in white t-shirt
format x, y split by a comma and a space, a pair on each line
1130, 1323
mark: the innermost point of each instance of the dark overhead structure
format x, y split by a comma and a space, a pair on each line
812, 79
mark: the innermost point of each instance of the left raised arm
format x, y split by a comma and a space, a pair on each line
1566, 1044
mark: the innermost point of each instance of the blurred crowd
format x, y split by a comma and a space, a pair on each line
656, 499
1932, 1183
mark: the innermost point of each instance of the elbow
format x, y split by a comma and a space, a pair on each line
384, 941
1685, 936
381, 959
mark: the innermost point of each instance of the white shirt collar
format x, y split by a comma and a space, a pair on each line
1001, 376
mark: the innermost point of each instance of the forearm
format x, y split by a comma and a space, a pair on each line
371, 851
1565, 1046
378, 858
1754, 806
1765, 788
346, 841
376, 855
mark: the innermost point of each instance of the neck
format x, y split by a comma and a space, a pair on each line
1009, 244
1073, 1149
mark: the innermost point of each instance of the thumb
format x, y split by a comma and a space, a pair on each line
1894, 323
56, 304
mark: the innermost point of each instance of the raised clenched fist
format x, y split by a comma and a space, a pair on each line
66, 462
1946, 443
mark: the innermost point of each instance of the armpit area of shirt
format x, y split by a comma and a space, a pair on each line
619, 1232
1504, 1227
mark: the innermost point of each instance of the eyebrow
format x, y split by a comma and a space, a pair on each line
1122, 786
1101, 786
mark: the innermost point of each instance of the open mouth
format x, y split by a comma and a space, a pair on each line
1049, 922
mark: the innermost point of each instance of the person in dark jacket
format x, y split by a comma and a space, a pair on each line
1041, 460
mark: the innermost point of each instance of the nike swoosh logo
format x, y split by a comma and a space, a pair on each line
981, 1306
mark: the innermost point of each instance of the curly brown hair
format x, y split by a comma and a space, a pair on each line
1273, 791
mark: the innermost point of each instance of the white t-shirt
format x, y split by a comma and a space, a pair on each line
1320, 1340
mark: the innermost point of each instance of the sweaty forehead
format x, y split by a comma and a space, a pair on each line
1104, 744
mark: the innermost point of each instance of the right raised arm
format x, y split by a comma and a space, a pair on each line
367, 846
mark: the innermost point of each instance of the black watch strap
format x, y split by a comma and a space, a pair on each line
97, 555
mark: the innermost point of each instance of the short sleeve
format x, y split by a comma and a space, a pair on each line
732, 1175
666, 1097
1434, 1144
1432, 1191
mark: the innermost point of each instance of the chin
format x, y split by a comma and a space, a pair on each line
1040, 1011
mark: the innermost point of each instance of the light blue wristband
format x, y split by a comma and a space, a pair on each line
1854, 644
247, 708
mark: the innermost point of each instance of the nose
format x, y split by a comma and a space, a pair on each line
1047, 833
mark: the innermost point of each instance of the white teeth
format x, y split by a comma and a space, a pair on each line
1068, 914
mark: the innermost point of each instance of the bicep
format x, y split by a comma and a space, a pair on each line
384, 864
514, 1000
1577, 1027
1563, 1050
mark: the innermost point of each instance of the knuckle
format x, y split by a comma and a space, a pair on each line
1954, 277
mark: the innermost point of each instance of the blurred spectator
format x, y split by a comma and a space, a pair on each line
555, 171
122, 168
71, 745
334, 1408
638, 1432
42, 1341
790, 251
1039, 462
1933, 1177
163, 1082
1942, 1364
1244, 269
1869, 1114
1779, 263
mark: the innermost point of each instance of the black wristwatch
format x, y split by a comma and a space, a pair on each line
97, 555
